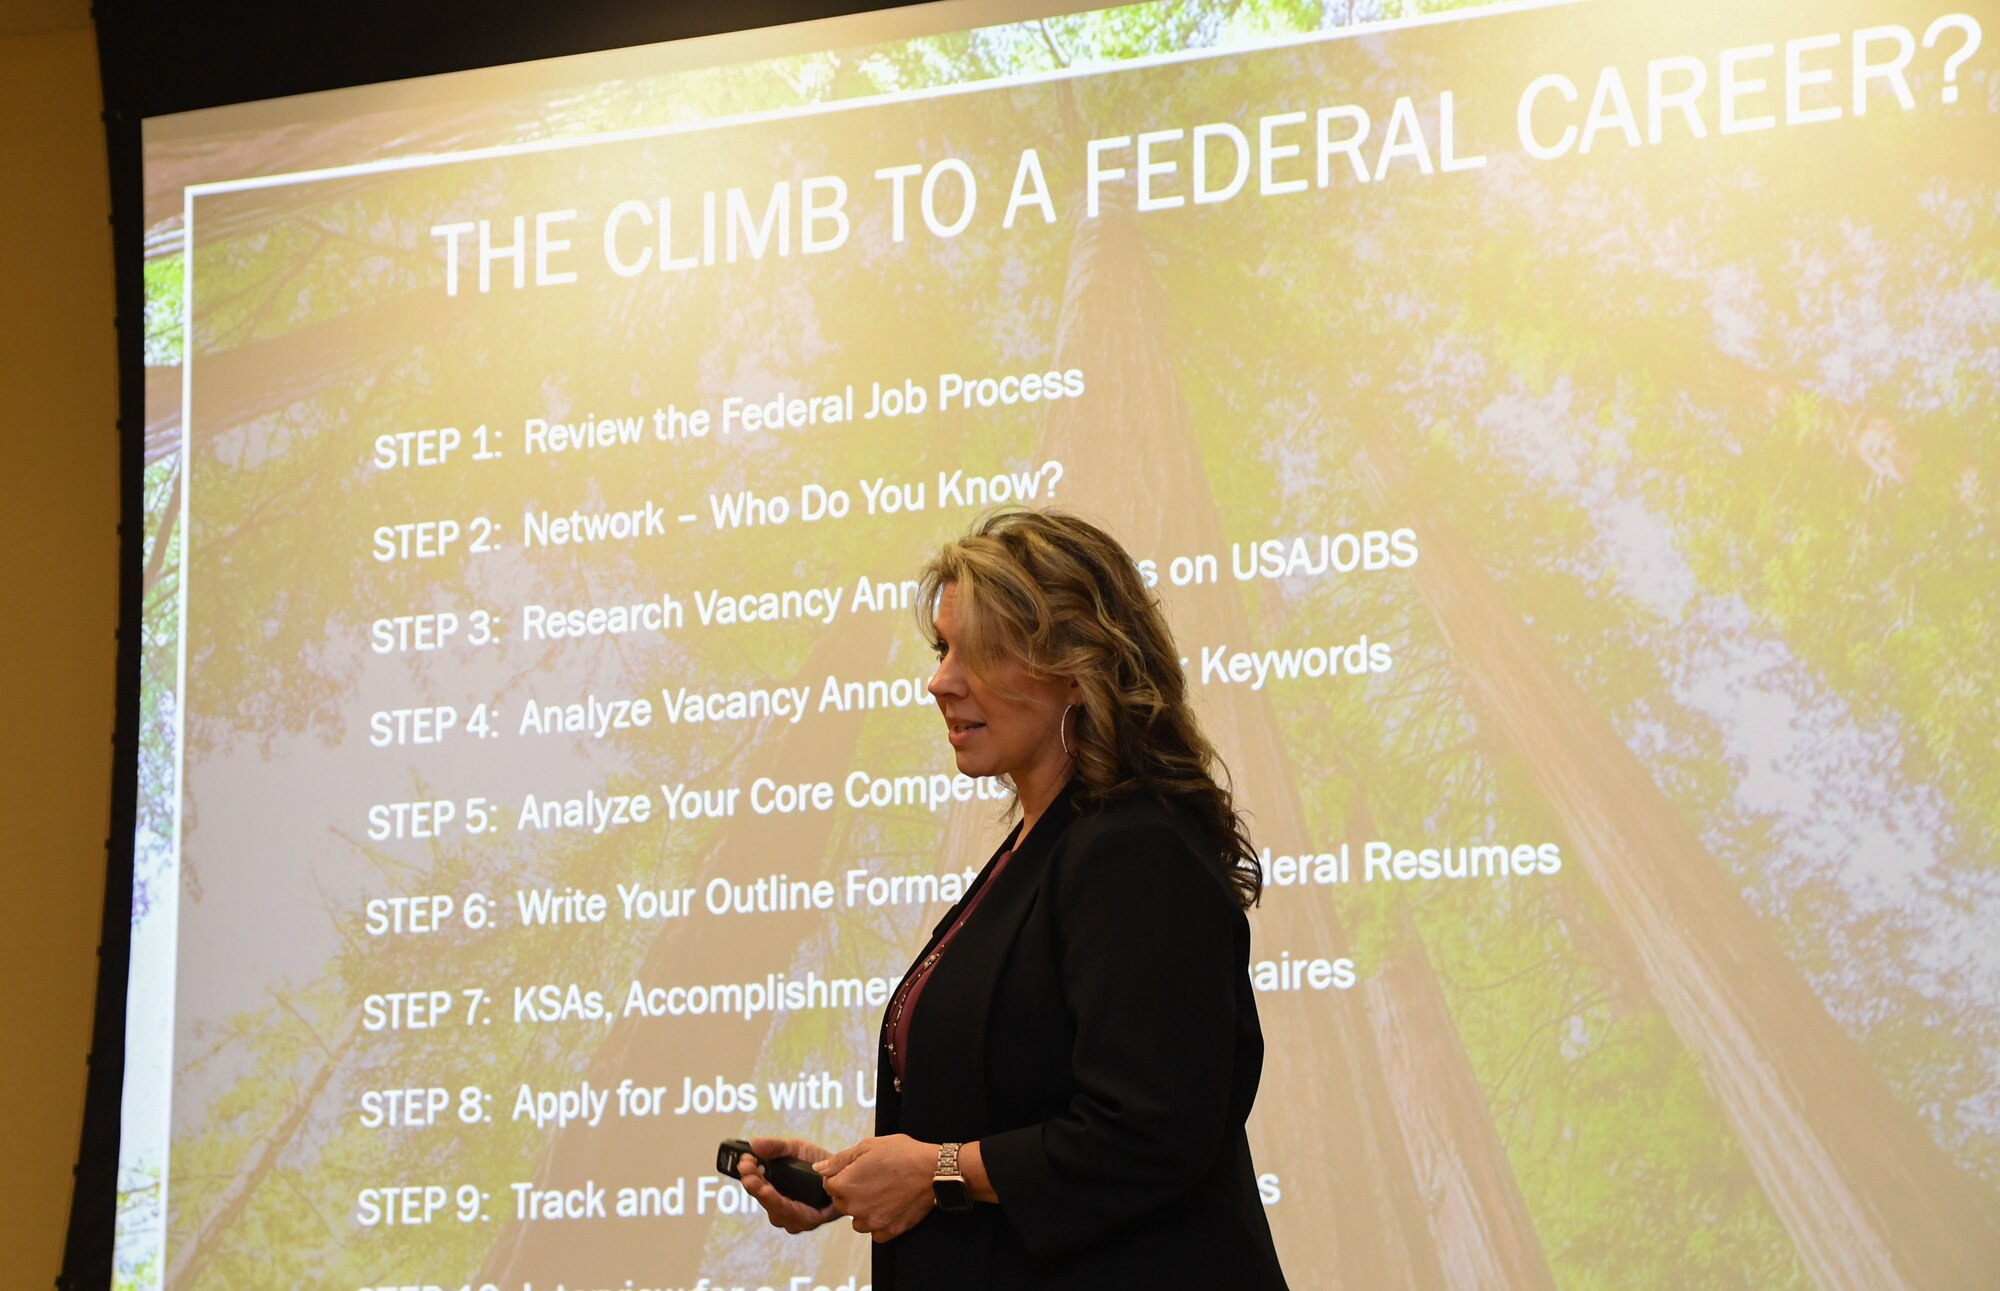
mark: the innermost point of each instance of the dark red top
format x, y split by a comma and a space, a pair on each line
904, 1005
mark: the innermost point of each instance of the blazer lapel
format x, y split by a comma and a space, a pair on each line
944, 1091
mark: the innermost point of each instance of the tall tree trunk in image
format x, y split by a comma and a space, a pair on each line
1131, 443
1868, 1197
1478, 1219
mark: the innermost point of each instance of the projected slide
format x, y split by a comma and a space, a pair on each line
1563, 438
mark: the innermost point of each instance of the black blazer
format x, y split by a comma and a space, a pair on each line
1094, 1028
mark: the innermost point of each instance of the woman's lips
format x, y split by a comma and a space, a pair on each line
960, 732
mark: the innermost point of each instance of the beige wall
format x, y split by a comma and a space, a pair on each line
59, 547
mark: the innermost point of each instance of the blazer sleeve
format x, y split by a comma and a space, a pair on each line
1150, 948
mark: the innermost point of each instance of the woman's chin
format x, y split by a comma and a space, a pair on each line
970, 763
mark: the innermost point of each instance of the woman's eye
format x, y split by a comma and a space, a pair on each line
938, 648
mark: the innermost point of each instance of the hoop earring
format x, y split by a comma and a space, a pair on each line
1062, 734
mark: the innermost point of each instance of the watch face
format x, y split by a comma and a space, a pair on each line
952, 1195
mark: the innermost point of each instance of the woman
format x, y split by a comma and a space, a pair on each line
1066, 1069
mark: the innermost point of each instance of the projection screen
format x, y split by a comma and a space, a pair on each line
1561, 435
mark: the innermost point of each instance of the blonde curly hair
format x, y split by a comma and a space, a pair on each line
1064, 598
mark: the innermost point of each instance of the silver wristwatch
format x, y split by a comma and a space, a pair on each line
948, 1186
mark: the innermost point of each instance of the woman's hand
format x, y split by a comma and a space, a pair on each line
883, 1185
792, 1216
